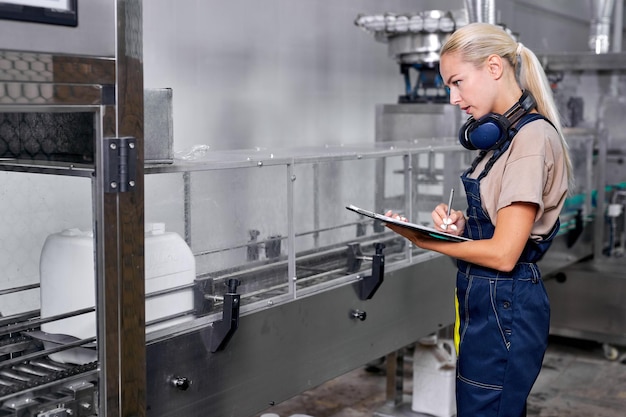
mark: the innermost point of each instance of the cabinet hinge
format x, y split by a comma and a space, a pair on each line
120, 164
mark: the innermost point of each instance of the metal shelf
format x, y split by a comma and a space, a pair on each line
584, 61
47, 167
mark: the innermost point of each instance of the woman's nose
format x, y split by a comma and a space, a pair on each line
454, 97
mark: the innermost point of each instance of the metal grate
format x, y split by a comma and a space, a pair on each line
47, 136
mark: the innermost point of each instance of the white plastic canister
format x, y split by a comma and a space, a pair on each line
66, 270
68, 284
434, 376
169, 263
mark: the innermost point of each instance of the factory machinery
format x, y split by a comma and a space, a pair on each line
221, 283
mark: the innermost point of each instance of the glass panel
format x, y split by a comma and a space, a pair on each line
324, 228
436, 172
34, 207
333, 243
581, 154
232, 209
47, 262
170, 267
578, 208
232, 224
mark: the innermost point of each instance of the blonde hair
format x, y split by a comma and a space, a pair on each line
477, 41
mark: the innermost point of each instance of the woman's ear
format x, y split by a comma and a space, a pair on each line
495, 66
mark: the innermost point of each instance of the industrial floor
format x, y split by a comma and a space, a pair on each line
576, 380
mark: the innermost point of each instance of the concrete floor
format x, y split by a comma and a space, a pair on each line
576, 380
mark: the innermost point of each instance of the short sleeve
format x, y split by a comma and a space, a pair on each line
523, 180
532, 170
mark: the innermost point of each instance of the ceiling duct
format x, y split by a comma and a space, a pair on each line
481, 11
601, 15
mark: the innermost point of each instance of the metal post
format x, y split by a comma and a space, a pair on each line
120, 236
395, 378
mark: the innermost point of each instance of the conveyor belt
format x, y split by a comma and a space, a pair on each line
37, 373
37, 384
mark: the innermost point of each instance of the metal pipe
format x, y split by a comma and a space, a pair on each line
618, 28
481, 11
602, 11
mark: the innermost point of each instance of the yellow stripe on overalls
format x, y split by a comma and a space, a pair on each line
457, 323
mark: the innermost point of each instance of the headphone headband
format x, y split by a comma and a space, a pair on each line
523, 106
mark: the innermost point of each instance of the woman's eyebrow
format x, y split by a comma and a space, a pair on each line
449, 80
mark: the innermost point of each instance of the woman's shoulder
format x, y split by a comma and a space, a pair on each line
537, 127
534, 138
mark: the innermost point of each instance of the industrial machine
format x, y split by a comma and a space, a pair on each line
139, 283
597, 282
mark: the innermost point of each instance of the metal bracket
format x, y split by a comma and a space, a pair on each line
202, 303
367, 286
120, 164
217, 336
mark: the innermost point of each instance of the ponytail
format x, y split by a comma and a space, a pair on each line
532, 77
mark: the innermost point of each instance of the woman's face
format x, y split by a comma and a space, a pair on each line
471, 88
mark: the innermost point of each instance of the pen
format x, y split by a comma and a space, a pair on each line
445, 225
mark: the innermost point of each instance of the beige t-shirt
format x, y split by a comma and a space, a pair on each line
532, 170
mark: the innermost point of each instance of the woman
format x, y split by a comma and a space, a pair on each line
515, 189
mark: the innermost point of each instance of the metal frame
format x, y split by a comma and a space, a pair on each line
113, 89
122, 342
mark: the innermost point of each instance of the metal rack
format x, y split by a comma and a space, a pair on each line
36, 88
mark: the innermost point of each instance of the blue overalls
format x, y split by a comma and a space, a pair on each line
503, 319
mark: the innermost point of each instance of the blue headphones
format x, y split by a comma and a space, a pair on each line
491, 130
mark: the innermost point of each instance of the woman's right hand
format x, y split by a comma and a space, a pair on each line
454, 225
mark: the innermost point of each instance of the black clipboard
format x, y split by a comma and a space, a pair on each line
428, 231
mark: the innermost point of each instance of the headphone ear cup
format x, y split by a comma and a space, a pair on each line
464, 140
491, 130
485, 133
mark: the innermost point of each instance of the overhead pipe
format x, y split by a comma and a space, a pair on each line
602, 12
618, 26
481, 11
618, 29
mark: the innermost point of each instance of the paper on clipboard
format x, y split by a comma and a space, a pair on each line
428, 231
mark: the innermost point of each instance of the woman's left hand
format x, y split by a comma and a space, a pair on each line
415, 237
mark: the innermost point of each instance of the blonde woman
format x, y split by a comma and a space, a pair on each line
515, 189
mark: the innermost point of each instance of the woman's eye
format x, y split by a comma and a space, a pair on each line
456, 83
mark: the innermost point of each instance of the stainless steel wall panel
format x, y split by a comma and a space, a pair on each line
400, 122
311, 79
562, 254
588, 301
158, 125
293, 73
